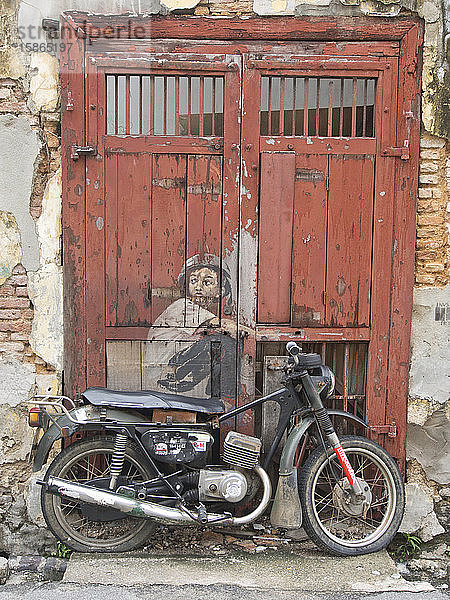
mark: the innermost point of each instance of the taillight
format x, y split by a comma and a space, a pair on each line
35, 417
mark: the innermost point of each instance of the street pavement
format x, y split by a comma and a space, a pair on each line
19, 590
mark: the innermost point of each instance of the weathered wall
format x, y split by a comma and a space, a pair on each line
30, 236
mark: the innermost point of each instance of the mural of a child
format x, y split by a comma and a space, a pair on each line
206, 290
203, 284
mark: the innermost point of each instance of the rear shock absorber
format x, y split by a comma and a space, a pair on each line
118, 458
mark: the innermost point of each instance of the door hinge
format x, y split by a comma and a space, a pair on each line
78, 151
389, 429
69, 103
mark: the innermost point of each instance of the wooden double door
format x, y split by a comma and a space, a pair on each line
237, 198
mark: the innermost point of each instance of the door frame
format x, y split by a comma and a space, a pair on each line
80, 32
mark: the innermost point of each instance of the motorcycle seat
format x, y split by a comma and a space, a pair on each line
99, 396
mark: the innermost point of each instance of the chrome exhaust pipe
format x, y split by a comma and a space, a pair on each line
144, 509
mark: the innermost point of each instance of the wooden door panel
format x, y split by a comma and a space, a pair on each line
203, 228
111, 249
310, 233
124, 365
349, 245
275, 236
133, 270
168, 235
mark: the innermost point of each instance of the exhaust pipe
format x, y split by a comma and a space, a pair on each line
143, 509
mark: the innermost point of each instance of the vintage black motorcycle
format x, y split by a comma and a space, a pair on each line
148, 457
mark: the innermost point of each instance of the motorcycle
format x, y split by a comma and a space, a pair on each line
140, 458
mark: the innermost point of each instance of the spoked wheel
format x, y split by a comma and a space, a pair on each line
86, 528
337, 520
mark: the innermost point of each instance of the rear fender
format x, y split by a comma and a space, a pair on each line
85, 414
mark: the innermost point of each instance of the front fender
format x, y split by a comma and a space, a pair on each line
84, 413
286, 508
294, 438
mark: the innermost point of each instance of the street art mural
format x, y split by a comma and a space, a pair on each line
191, 348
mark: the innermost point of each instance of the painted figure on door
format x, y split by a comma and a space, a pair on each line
195, 342
203, 285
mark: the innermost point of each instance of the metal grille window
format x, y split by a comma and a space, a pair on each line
164, 105
311, 106
347, 360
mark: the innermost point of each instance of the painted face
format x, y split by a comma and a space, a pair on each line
203, 285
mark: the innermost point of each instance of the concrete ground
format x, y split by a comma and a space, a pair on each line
282, 569
270, 575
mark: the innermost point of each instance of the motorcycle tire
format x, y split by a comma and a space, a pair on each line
333, 517
84, 461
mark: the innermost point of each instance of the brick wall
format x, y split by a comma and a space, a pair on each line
433, 216
16, 316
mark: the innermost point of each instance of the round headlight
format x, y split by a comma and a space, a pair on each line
328, 376
332, 384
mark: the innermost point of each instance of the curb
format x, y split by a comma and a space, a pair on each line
51, 568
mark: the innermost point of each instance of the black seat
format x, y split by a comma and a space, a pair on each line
99, 396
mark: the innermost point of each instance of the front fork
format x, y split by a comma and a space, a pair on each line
327, 429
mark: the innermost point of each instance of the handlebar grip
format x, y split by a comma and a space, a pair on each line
293, 348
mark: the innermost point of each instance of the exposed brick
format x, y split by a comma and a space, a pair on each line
426, 243
425, 193
14, 302
434, 179
19, 337
16, 326
11, 347
435, 267
18, 280
431, 142
425, 278
426, 255
429, 167
201, 11
437, 193
52, 140
6, 290
10, 314
21, 291
429, 154
429, 219
19, 270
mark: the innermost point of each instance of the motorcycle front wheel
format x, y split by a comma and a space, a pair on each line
81, 527
334, 518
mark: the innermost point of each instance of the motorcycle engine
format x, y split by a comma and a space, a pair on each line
180, 446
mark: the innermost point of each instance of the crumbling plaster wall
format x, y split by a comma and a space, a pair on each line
30, 237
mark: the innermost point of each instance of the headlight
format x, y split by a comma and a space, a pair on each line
332, 384
328, 376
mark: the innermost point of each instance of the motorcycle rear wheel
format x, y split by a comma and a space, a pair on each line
82, 462
339, 525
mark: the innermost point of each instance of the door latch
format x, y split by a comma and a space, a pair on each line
78, 151
402, 151
389, 429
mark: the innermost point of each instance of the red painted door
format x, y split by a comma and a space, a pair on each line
317, 174
162, 257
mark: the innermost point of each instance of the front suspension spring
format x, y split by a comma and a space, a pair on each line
118, 458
